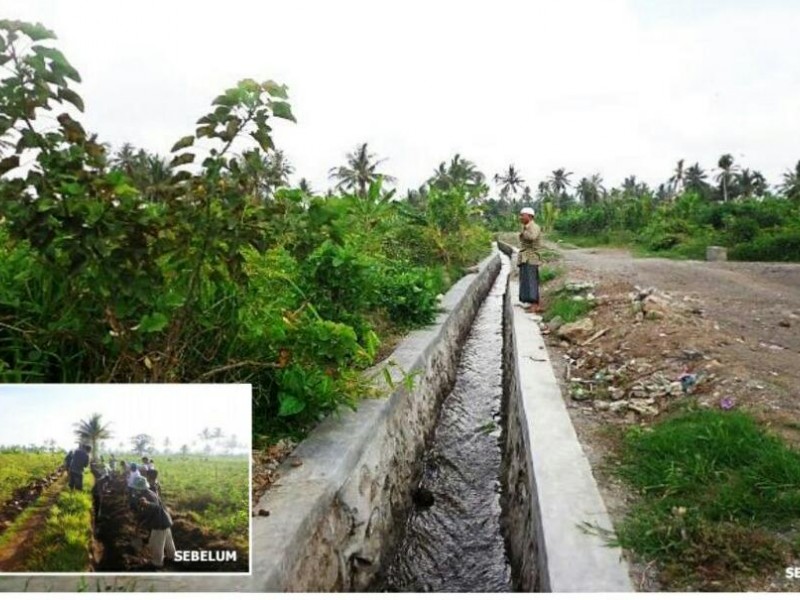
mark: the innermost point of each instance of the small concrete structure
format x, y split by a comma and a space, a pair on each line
716, 253
551, 494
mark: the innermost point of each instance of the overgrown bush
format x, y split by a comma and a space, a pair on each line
204, 276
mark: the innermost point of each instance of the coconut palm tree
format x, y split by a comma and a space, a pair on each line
559, 181
459, 173
751, 183
92, 430
305, 186
677, 177
359, 173
634, 188
125, 159
695, 179
791, 183
726, 171
590, 189
278, 169
509, 182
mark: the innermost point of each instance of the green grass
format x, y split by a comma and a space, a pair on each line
568, 309
17, 469
548, 273
691, 249
717, 491
63, 545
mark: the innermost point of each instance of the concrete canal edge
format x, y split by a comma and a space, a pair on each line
550, 493
333, 519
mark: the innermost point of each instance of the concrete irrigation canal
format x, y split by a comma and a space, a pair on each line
453, 540
472, 479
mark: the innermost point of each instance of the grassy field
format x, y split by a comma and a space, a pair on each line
63, 544
214, 489
719, 498
18, 469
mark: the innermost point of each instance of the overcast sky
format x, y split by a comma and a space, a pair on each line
615, 86
32, 414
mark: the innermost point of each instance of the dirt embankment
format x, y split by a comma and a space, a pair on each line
725, 334
16, 550
23, 497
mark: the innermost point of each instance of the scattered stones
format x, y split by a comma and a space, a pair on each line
618, 406
579, 394
602, 405
644, 407
785, 323
555, 324
616, 393
576, 287
574, 332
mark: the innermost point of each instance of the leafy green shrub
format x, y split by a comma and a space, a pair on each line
781, 246
409, 295
206, 276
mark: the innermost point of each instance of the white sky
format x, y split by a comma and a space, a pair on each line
33, 413
616, 86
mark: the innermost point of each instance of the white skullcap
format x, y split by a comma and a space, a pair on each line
528, 211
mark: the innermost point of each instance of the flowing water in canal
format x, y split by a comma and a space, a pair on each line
456, 543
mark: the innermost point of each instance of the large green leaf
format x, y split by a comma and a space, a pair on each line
67, 95
182, 143
182, 159
282, 110
263, 139
274, 89
152, 323
36, 31
59, 63
290, 405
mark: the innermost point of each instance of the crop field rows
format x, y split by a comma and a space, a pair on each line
48, 528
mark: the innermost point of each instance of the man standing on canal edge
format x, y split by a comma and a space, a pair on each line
530, 241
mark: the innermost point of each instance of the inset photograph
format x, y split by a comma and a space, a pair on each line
129, 479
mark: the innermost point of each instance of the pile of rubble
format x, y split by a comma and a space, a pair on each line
628, 387
610, 380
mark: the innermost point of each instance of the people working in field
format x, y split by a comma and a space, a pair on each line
154, 516
76, 462
133, 474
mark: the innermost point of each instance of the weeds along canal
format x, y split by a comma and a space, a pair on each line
452, 541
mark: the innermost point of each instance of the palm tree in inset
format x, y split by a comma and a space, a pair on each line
92, 430
726, 171
359, 173
510, 182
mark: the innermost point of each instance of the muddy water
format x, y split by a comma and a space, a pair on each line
455, 543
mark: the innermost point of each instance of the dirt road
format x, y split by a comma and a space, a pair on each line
755, 305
